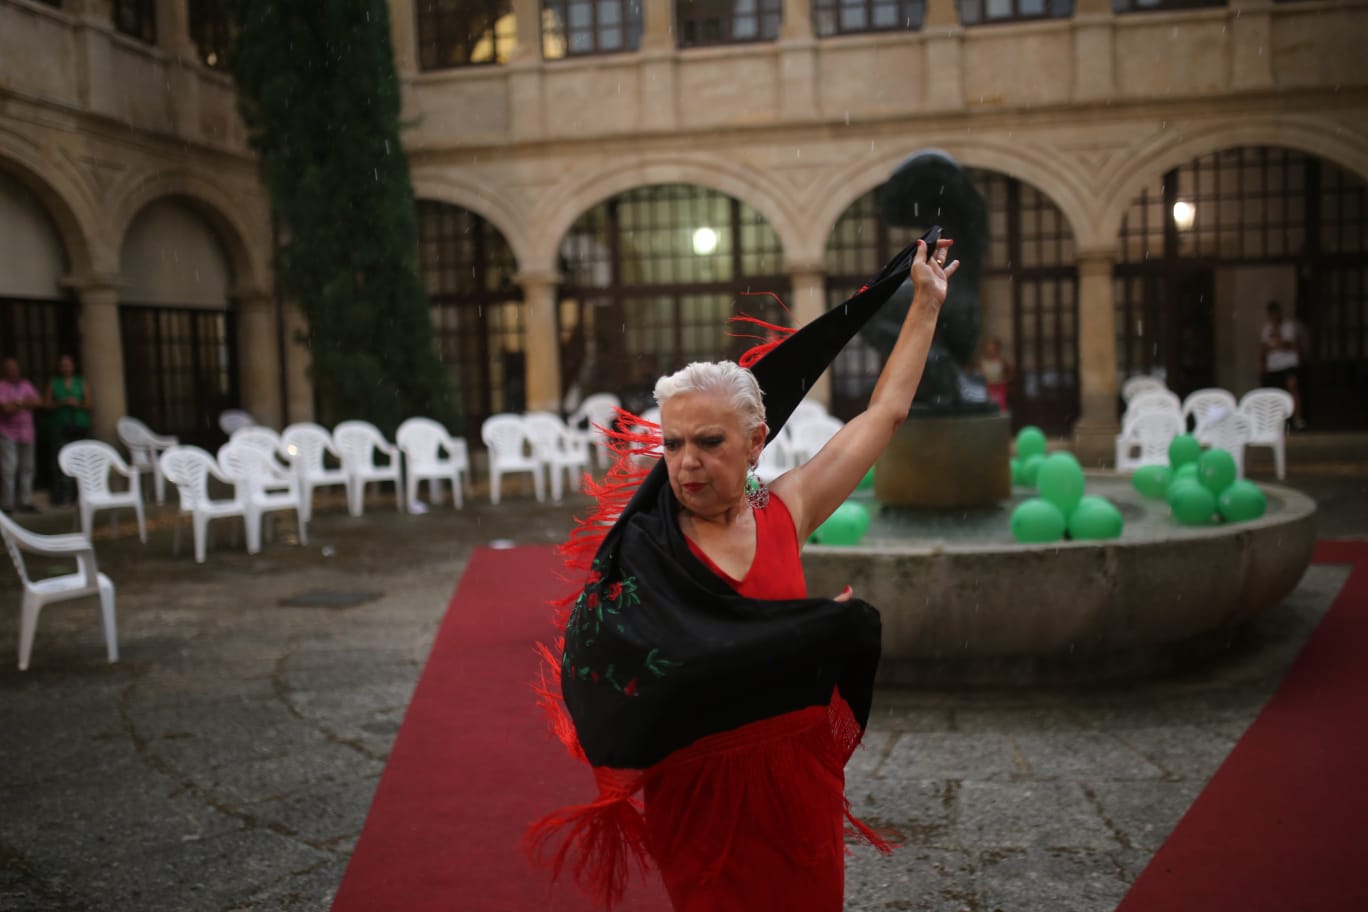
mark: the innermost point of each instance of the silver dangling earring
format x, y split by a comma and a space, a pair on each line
757, 492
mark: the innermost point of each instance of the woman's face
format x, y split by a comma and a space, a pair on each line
707, 453
65, 366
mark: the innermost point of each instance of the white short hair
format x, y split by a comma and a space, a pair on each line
723, 378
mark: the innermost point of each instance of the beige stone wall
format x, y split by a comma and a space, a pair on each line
98, 127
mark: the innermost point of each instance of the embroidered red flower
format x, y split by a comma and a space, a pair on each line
613, 592
592, 602
631, 688
594, 577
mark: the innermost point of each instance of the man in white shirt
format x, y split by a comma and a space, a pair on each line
1282, 350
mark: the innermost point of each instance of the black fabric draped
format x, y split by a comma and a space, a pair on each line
660, 652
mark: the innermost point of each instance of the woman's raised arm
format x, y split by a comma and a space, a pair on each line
814, 490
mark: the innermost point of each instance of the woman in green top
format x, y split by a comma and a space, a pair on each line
68, 396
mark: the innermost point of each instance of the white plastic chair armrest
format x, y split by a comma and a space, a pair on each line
52, 545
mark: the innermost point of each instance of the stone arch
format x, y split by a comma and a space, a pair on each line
63, 198
1172, 149
579, 193
209, 200
839, 190
440, 185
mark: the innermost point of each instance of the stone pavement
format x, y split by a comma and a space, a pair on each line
226, 763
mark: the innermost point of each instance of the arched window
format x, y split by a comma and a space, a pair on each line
1206, 246
477, 309
1028, 298
653, 275
179, 331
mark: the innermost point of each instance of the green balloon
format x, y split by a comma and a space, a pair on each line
1185, 472
1192, 504
1241, 502
1152, 480
1095, 519
1016, 471
866, 483
845, 526
1030, 469
1030, 441
1184, 449
1216, 470
1036, 520
1061, 481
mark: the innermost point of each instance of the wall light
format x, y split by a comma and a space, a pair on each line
704, 241
1184, 214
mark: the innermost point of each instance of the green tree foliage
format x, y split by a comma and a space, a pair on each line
319, 93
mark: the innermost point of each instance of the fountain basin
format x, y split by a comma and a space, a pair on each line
989, 610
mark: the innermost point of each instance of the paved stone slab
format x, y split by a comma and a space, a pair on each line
1055, 815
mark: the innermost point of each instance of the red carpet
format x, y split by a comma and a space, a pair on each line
1283, 825
474, 762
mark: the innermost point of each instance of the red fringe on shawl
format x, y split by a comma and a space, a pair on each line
602, 840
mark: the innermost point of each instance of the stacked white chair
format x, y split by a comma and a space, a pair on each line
1231, 433
263, 486
263, 438
597, 411
306, 447
1145, 438
808, 436
90, 462
423, 441
1151, 400
356, 443
189, 469
807, 410
144, 449
86, 581
1268, 411
1139, 384
1205, 406
775, 459
234, 419
510, 453
560, 451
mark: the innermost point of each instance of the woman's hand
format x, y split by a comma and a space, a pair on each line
846, 595
929, 275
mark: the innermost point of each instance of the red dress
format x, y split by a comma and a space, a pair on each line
753, 819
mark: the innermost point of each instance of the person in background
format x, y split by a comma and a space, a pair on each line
18, 399
1282, 354
996, 372
68, 400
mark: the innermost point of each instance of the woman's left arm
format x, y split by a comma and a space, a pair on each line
815, 489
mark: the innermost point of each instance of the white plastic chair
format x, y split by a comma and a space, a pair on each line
510, 452
1206, 405
263, 486
1230, 433
559, 450
305, 446
422, 442
809, 435
263, 438
807, 410
234, 419
596, 411
1152, 399
144, 450
189, 469
90, 462
1145, 438
86, 581
356, 443
1268, 411
1139, 384
776, 458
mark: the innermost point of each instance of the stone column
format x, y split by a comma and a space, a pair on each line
543, 341
797, 63
404, 37
298, 362
1251, 48
1097, 427
173, 29
943, 84
1094, 72
808, 302
525, 109
101, 353
658, 62
258, 358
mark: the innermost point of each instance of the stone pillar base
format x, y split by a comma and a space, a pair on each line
1094, 443
946, 461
